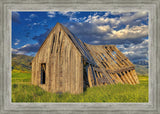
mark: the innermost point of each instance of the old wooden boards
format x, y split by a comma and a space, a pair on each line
60, 62
112, 66
64, 67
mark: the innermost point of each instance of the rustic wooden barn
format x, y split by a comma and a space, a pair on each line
65, 64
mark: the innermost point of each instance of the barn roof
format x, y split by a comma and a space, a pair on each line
113, 65
79, 44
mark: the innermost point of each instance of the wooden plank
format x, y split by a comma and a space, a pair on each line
118, 57
81, 76
60, 62
123, 78
130, 77
94, 76
66, 68
122, 56
70, 67
89, 76
135, 76
57, 66
76, 72
109, 61
98, 75
127, 79
114, 78
114, 60
101, 75
108, 55
118, 78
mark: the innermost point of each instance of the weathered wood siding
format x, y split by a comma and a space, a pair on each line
64, 68
113, 67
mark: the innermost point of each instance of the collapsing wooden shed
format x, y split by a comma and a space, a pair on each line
65, 64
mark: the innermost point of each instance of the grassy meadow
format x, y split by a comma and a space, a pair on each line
24, 91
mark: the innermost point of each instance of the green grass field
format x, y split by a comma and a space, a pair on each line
24, 91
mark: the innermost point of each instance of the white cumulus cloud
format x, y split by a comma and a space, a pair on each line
104, 28
133, 32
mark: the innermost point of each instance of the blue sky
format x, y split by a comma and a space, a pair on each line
127, 30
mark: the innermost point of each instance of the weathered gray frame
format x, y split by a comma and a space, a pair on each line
152, 6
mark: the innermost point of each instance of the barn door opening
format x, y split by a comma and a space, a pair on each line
43, 73
85, 77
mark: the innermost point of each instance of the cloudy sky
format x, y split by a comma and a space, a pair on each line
127, 30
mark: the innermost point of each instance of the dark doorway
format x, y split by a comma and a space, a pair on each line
43, 73
85, 76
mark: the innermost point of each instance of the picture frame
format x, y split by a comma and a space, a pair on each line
7, 6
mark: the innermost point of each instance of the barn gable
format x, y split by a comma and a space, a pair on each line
59, 28
63, 63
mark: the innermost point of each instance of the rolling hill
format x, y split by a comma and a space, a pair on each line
22, 62
141, 69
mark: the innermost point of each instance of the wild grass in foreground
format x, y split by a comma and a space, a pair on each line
24, 91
